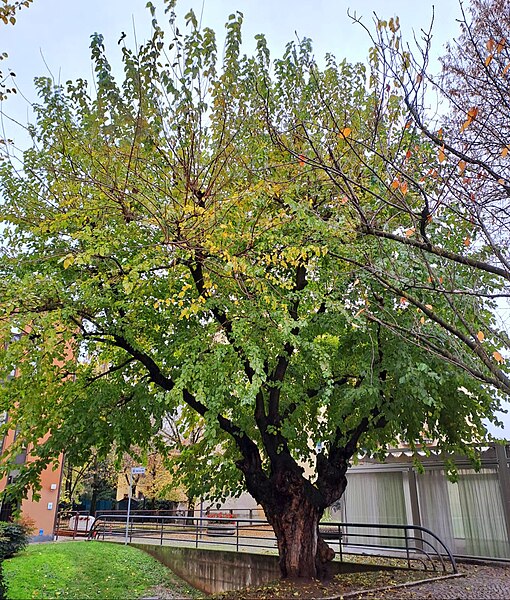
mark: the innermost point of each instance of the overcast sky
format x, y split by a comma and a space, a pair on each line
52, 36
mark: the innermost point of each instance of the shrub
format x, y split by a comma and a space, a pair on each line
13, 537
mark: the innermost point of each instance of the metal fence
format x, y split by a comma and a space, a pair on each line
416, 547
73, 523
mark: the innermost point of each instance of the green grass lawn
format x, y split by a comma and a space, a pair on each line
87, 570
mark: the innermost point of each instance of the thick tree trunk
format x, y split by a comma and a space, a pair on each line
292, 504
294, 507
296, 530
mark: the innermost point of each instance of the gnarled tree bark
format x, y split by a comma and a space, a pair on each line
294, 507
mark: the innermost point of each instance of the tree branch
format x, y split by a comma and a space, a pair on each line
437, 251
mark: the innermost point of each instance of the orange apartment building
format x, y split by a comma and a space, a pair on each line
42, 512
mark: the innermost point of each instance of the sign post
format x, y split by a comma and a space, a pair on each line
134, 471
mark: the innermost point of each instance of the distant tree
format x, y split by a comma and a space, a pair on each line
157, 484
431, 187
94, 481
99, 482
71, 484
470, 169
182, 437
193, 236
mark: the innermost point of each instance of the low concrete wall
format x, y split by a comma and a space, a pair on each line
36, 539
214, 571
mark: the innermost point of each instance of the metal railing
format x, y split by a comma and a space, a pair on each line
411, 545
245, 513
68, 524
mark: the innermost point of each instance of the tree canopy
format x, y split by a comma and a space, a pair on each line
184, 238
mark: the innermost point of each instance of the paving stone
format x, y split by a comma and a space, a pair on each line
480, 583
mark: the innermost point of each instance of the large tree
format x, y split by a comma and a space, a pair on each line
162, 247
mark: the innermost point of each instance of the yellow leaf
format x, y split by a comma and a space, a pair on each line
429, 306
422, 320
501, 45
472, 112
501, 181
462, 166
346, 132
395, 184
497, 357
480, 335
467, 241
504, 152
410, 232
403, 188
441, 155
68, 261
505, 70
488, 60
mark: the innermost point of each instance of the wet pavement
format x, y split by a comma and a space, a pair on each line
479, 583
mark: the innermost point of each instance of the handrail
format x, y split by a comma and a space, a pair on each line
412, 543
419, 539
